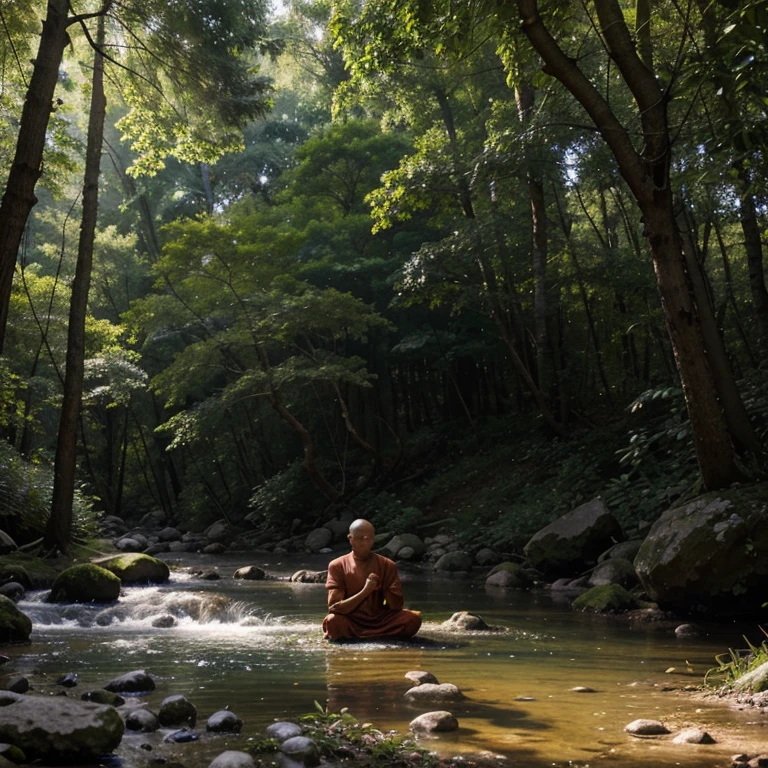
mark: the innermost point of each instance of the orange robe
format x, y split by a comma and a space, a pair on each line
381, 614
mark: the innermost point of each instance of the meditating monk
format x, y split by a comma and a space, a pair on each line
365, 598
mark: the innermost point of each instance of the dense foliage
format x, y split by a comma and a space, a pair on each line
394, 268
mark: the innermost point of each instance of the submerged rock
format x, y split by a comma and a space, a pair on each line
440, 721
15, 626
434, 692
137, 681
85, 583
689, 630
58, 728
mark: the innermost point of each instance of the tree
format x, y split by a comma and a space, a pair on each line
193, 51
59, 529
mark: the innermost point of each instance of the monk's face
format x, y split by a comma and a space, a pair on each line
361, 538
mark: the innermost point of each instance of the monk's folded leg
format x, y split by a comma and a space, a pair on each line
336, 626
411, 623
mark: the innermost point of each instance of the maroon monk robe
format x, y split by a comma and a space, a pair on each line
381, 613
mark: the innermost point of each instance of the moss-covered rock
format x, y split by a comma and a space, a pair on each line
607, 598
85, 583
15, 626
136, 568
709, 555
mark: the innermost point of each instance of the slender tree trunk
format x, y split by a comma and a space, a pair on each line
19, 197
59, 530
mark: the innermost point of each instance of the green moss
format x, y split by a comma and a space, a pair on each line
85, 583
31, 572
15, 627
136, 568
607, 598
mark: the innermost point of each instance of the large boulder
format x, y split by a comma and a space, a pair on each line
136, 568
15, 626
573, 542
709, 555
85, 583
60, 729
318, 539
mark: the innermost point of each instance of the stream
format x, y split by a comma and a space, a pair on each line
255, 647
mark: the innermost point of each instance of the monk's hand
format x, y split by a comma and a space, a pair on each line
371, 583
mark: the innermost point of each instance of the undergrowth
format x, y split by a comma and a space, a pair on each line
734, 664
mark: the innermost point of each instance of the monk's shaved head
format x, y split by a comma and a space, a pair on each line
361, 527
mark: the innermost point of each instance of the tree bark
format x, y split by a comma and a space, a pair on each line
19, 197
59, 530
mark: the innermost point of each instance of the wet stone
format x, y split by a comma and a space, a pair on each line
419, 677
440, 721
282, 730
177, 710
142, 720
583, 689
224, 721
644, 727
137, 681
693, 736
164, 621
433, 692
100, 696
183, 736
232, 759
302, 750
68, 681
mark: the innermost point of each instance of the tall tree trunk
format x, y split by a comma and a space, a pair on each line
647, 174
59, 530
19, 197
524, 97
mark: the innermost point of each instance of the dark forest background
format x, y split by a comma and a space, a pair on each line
468, 261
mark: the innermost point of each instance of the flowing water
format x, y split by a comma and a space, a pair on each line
255, 647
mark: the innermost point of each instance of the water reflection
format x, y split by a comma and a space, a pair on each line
256, 648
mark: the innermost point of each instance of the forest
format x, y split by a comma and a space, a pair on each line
472, 261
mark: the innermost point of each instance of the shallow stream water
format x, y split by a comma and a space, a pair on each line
255, 647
